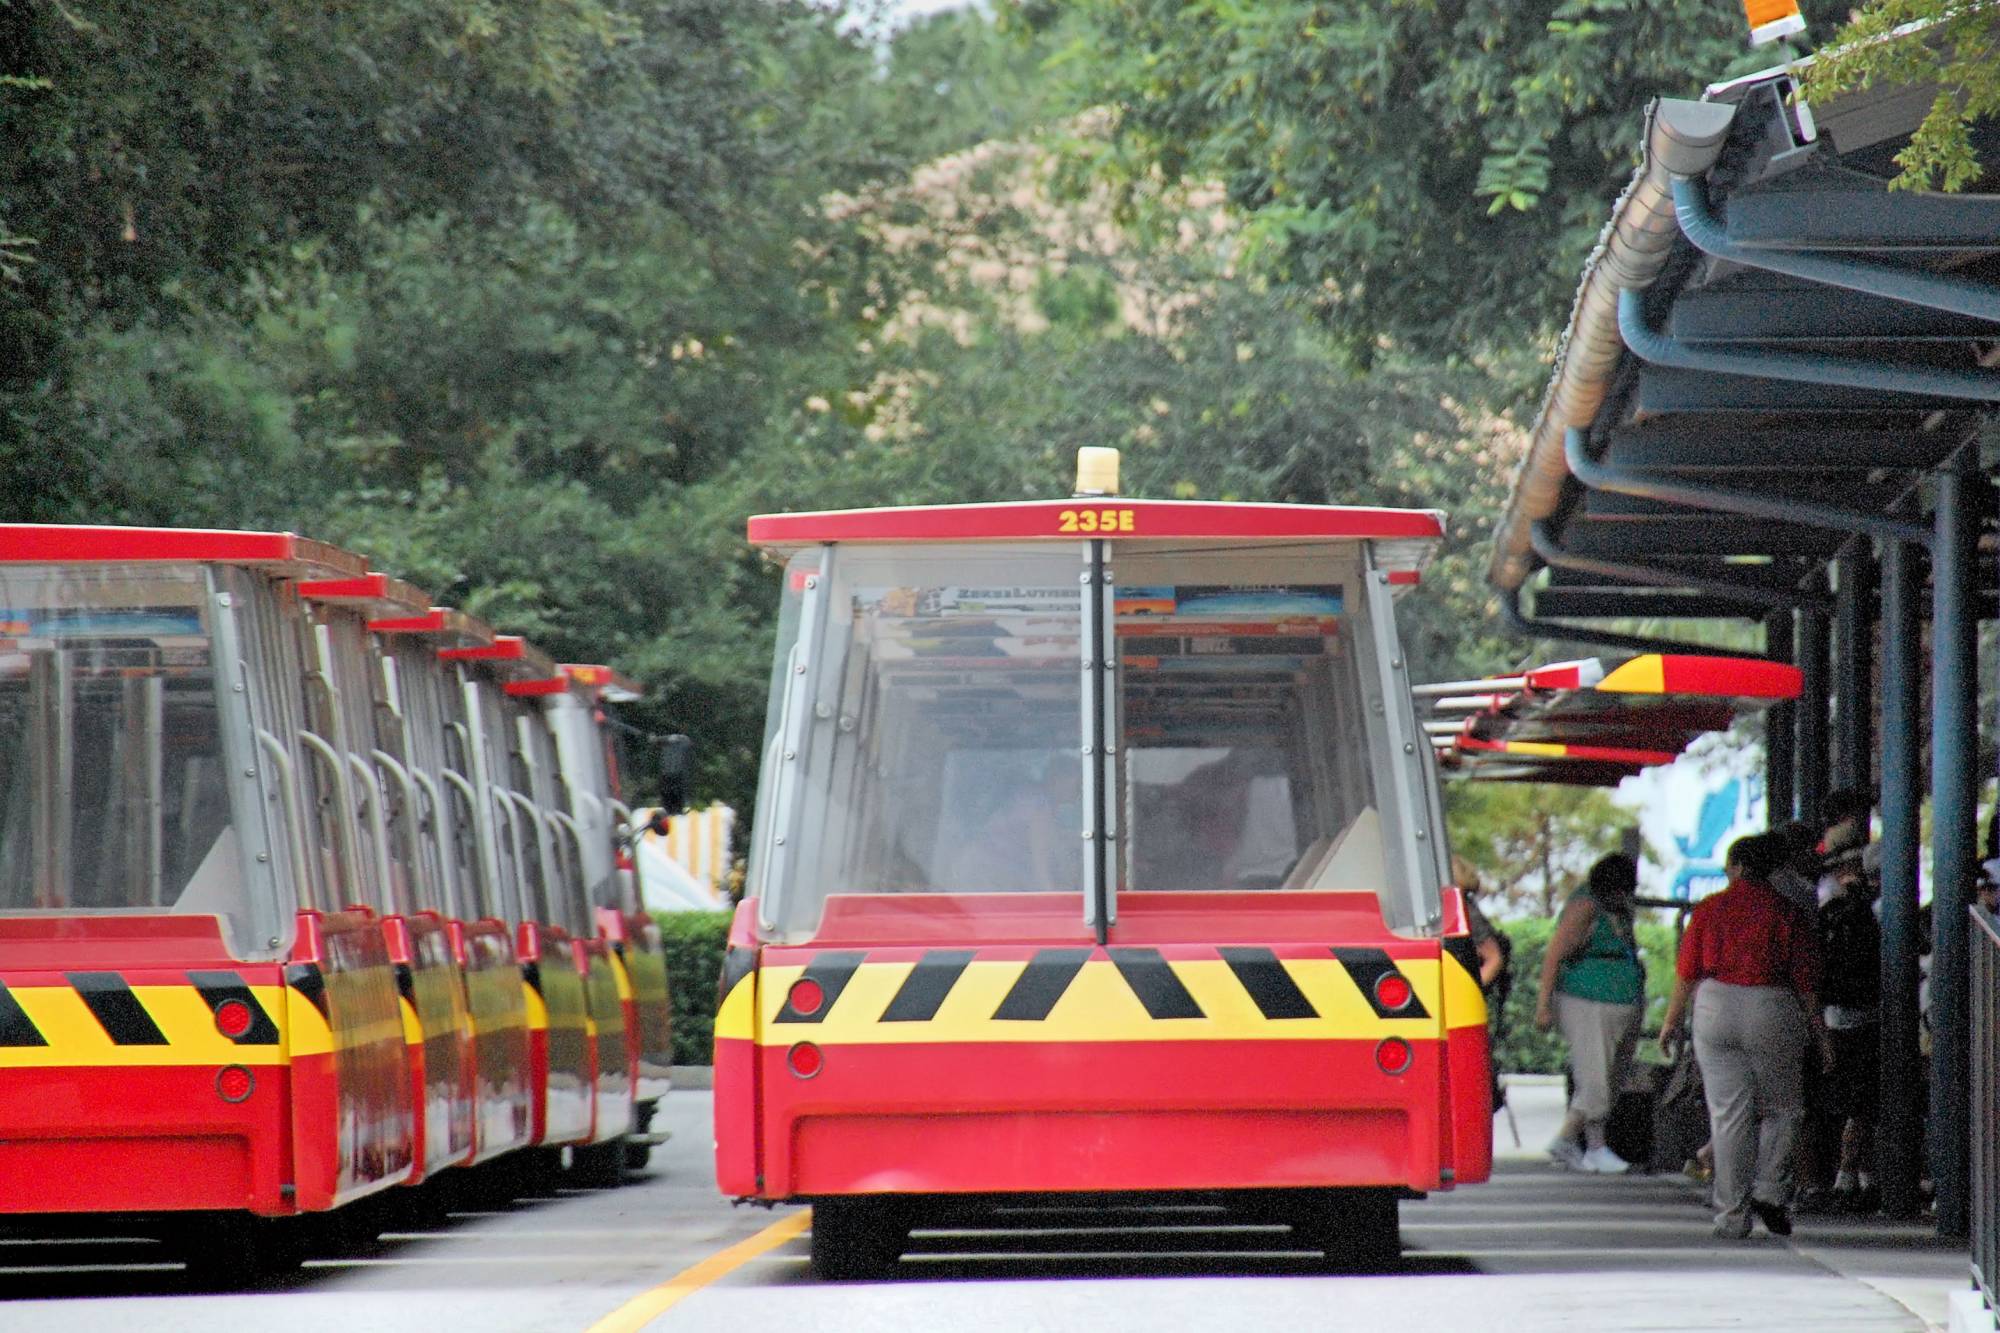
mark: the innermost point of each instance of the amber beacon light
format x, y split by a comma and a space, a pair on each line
1096, 470
1771, 19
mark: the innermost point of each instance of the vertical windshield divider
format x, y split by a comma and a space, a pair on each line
1108, 737
1096, 909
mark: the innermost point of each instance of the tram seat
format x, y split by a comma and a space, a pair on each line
216, 887
1351, 862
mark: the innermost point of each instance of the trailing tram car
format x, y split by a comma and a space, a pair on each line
1098, 855
294, 907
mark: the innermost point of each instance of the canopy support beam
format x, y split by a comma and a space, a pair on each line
1899, 1130
1954, 821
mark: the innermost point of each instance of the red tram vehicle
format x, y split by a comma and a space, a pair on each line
301, 886
1098, 853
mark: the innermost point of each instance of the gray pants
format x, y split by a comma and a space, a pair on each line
1751, 1043
1601, 1040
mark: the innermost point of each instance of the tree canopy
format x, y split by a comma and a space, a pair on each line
535, 304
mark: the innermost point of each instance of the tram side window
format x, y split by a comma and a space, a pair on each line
112, 786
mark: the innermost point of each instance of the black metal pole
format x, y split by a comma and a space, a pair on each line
1854, 669
1899, 1137
1954, 821
1814, 666
1779, 741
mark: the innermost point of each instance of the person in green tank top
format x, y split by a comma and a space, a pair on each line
1594, 987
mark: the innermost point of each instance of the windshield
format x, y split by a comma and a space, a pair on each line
926, 730
114, 794
932, 745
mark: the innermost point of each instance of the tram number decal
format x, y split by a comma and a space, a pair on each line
1096, 520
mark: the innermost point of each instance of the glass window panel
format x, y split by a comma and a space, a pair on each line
933, 743
1243, 683
114, 792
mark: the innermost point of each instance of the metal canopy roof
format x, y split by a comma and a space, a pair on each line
1768, 351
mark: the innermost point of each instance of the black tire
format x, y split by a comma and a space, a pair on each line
855, 1239
599, 1166
231, 1252
638, 1153
1353, 1228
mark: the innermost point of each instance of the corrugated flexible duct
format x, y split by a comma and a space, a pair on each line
1683, 138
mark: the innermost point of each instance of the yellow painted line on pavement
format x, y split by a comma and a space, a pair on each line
644, 1308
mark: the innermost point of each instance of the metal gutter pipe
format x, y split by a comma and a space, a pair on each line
1521, 622
1543, 542
1934, 291
1683, 138
1658, 349
1601, 476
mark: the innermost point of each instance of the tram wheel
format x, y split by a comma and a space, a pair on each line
600, 1166
854, 1239
1351, 1227
230, 1252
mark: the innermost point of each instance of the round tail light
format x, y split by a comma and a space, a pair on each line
233, 1018
806, 997
805, 1059
234, 1083
1392, 991
1393, 1055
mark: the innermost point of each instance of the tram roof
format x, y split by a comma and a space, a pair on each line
1129, 520
1577, 723
69, 544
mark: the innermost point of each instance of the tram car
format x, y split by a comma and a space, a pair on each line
309, 894
1098, 855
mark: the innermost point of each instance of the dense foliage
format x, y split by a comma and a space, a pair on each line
694, 944
1434, 172
1959, 54
534, 304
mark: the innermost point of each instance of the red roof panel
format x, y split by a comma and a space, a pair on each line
61, 543
1071, 520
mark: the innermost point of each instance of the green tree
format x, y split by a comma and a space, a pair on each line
1431, 172
1531, 842
1953, 46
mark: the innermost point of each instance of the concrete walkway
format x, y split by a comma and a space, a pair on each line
1541, 1220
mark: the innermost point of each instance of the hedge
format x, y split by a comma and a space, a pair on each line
694, 944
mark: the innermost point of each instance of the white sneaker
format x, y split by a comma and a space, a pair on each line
1604, 1162
1564, 1152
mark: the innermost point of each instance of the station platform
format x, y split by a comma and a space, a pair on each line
1635, 1252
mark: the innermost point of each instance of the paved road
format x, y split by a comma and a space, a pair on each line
1537, 1249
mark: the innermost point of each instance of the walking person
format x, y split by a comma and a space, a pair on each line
1594, 986
1749, 970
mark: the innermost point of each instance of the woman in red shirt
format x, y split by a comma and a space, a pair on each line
1749, 963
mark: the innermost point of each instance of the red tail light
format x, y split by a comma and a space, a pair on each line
805, 1059
234, 1083
806, 997
1392, 991
1393, 1055
233, 1018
